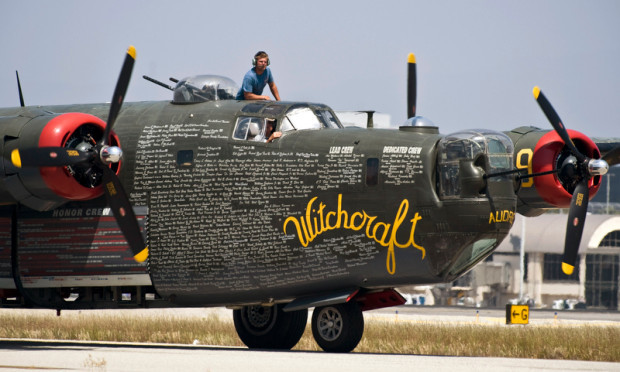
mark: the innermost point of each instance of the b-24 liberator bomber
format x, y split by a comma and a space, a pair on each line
184, 203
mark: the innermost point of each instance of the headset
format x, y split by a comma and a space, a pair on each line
256, 55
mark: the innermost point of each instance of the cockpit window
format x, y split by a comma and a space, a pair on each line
249, 128
490, 150
286, 125
252, 128
329, 121
300, 118
498, 160
202, 88
273, 110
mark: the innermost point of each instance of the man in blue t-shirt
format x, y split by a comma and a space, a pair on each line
255, 80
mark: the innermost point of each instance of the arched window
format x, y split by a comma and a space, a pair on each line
612, 239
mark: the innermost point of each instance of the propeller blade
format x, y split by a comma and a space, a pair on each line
114, 191
119, 92
574, 227
556, 122
613, 156
411, 85
123, 212
48, 157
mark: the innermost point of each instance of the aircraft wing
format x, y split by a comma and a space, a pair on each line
606, 144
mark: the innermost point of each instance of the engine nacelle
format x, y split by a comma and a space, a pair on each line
539, 151
46, 188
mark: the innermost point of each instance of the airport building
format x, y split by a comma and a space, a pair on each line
498, 281
593, 284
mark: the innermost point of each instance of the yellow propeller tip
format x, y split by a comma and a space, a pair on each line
16, 159
536, 92
411, 58
142, 256
132, 51
567, 269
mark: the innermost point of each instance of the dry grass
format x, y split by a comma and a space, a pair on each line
210, 330
594, 343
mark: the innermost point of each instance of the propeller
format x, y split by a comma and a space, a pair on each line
411, 85
577, 169
99, 156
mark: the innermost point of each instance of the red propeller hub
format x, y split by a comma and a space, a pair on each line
546, 155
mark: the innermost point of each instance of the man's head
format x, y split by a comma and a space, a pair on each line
270, 126
261, 60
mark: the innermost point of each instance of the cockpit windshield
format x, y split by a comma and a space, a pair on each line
203, 88
490, 150
328, 119
299, 118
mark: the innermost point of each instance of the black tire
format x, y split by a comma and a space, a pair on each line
268, 327
338, 328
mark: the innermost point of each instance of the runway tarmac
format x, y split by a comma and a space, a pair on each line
17, 355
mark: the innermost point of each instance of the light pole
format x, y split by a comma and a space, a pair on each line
522, 259
608, 183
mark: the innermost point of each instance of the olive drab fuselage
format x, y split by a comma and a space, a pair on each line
232, 220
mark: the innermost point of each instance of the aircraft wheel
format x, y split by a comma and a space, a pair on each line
268, 327
338, 328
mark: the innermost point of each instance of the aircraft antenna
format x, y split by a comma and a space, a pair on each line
369, 118
19, 87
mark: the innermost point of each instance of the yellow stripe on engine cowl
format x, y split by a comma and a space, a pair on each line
142, 256
16, 159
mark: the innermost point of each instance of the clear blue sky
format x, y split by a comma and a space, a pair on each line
477, 60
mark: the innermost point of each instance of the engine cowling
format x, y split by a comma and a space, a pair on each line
538, 151
45, 188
